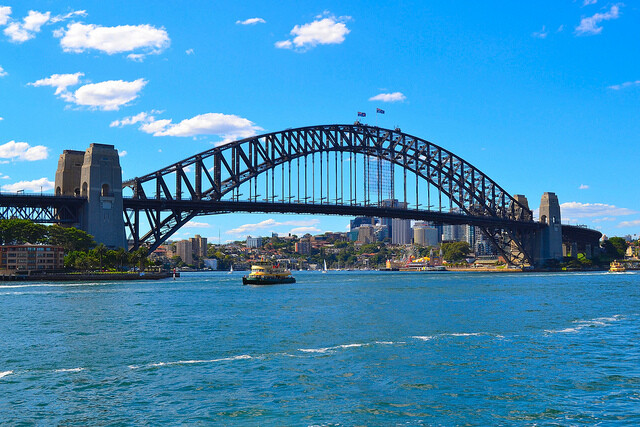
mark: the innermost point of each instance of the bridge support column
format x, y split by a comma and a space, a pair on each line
96, 175
549, 239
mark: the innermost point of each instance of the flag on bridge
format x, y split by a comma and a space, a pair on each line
360, 114
379, 111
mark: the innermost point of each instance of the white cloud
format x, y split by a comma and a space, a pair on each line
189, 51
246, 228
5, 13
327, 30
589, 25
583, 187
229, 126
304, 230
542, 34
59, 18
107, 95
23, 151
36, 185
604, 219
20, 32
251, 21
625, 85
589, 2
122, 153
590, 210
389, 97
59, 81
123, 38
2, 72
634, 223
194, 224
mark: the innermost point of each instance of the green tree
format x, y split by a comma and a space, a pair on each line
70, 238
455, 251
18, 231
616, 247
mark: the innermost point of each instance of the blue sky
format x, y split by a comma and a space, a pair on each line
541, 96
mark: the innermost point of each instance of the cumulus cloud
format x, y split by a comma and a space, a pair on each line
625, 85
583, 187
19, 32
5, 13
589, 2
591, 24
122, 153
59, 18
42, 184
326, 29
634, 223
542, 34
194, 224
59, 81
592, 210
229, 126
251, 21
2, 72
389, 97
23, 151
108, 95
304, 230
140, 40
247, 228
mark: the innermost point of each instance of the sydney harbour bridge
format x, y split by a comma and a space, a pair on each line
340, 169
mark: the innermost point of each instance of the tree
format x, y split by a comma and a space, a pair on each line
18, 231
618, 244
455, 251
71, 239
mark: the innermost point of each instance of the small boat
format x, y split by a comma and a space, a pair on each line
265, 273
324, 269
231, 269
616, 267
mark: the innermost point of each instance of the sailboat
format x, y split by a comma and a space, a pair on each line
231, 269
324, 269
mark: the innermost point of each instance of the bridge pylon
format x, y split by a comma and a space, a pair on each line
95, 175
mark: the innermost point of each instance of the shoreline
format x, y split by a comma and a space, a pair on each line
87, 277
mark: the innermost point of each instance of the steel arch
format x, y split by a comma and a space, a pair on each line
474, 194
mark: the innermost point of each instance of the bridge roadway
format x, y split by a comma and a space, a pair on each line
207, 207
47, 208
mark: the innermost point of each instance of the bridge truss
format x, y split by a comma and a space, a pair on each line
329, 169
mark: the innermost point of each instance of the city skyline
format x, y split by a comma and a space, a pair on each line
539, 97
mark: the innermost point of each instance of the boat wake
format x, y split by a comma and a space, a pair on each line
582, 324
190, 362
5, 373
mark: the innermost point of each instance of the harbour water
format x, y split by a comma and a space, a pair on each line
343, 348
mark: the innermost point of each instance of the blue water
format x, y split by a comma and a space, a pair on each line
343, 348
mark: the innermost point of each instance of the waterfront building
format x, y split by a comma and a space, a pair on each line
184, 249
199, 246
30, 257
254, 242
303, 246
425, 235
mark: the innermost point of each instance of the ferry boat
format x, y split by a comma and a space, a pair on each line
266, 273
616, 267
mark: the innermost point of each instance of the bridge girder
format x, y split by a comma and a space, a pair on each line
235, 164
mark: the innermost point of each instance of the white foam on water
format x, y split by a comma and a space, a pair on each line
424, 338
315, 350
464, 334
70, 370
191, 362
5, 373
350, 345
582, 324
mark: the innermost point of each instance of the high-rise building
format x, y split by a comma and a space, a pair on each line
303, 246
366, 234
254, 242
360, 220
199, 246
184, 249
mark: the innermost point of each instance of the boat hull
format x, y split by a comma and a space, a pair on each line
246, 280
